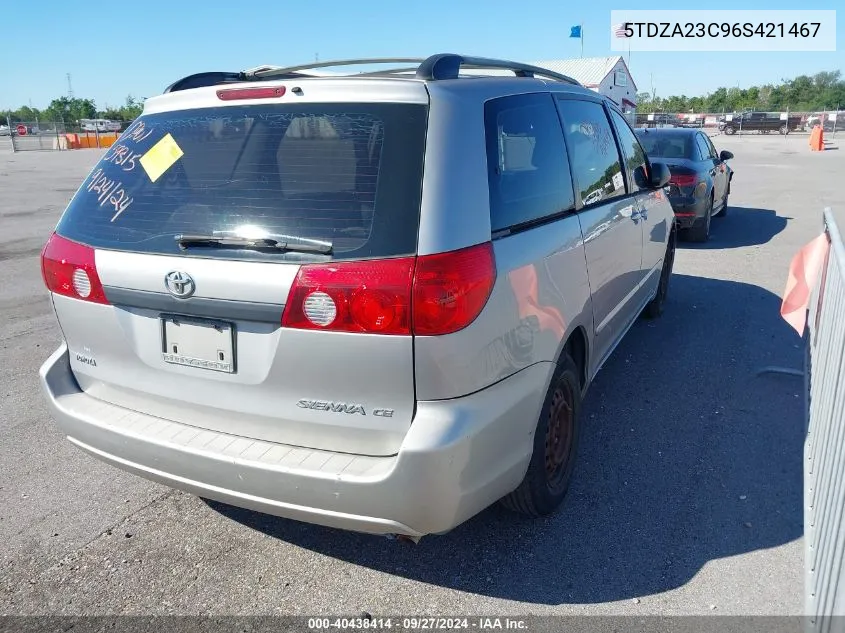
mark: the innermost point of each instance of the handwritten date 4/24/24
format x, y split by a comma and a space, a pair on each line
109, 191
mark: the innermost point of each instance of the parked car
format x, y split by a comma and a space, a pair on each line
691, 120
658, 119
266, 300
5, 131
701, 177
763, 122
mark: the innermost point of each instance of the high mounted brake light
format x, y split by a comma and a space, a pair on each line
235, 94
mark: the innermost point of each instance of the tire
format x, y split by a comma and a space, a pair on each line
546, 482
729, 130
724, 210
784, 130
701, 232
655, 307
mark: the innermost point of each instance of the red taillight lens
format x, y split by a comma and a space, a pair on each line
368, 296
451, 289
427, 295
683, 180
68, 269
235, 94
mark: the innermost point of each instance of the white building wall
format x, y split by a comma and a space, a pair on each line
617, 93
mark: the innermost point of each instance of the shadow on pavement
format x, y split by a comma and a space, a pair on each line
742, 226
687, 456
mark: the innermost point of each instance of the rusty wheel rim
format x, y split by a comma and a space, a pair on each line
559, 431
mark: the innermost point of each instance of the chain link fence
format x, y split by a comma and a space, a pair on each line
748, 122
22, 136
34, 135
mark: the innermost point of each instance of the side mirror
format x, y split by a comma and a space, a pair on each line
659, 176
725, 155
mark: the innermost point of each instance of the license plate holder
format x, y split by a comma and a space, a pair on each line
201, 343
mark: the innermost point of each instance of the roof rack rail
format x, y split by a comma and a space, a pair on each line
433, 68
260, 73
448, 66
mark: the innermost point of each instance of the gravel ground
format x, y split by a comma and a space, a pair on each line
686, 499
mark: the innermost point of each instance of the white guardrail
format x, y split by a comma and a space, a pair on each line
824, 446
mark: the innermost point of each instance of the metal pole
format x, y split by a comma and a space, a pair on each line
11, 138
835, 118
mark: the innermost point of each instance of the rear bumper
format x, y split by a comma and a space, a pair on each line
458, 457
688, 210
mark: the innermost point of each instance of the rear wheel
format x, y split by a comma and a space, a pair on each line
555, 446
784, 130
655, 307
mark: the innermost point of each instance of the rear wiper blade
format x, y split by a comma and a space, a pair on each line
323, 248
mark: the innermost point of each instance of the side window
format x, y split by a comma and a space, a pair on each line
631, 148
711, 147
701, 147
594, 156
528, 169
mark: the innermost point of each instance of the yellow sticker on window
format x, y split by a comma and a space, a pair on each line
161, 156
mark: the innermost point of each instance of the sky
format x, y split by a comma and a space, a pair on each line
140, 48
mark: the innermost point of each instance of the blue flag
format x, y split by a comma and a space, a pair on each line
575, 31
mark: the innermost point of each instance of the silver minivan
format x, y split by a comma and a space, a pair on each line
372, 301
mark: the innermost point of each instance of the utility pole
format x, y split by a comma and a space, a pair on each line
69, 88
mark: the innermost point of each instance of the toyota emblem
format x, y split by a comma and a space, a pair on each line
179, 284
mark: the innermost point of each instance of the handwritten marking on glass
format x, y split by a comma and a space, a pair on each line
123, 156
111, 191
136, 132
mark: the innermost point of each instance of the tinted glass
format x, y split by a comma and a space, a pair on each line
668, 145
345, 173
592, 147
527, 165
711, 148
631, 148
703, 150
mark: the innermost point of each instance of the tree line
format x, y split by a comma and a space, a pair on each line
70, 110
822, 91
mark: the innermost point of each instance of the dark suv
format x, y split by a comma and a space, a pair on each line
763, 122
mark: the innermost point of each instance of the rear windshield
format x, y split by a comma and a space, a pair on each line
666, 144
348, 174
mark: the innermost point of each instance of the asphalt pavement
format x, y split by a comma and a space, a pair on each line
686, 497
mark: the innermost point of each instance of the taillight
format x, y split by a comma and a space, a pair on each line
451, 289
683, 180
68, 269
367, 296
428, 295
